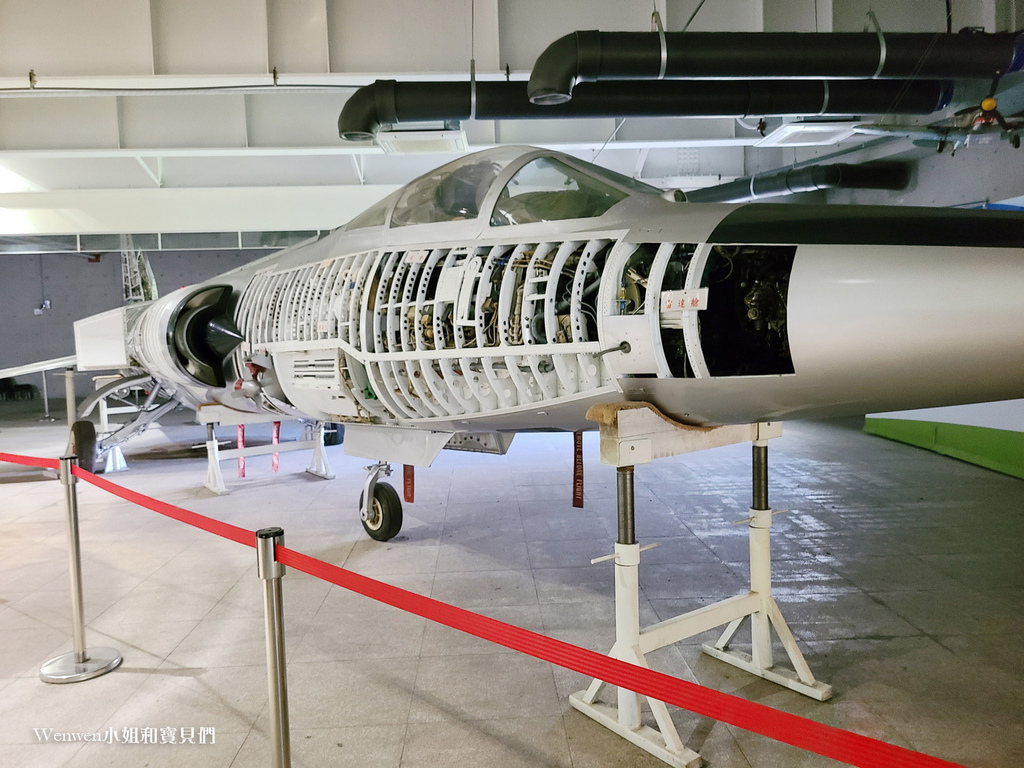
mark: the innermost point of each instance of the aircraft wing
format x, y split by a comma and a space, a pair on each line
910, 132
70, 361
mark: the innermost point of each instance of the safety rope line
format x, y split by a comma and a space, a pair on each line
810, 735
217, 527
826, 740
30, 461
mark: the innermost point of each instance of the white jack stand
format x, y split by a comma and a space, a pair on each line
637, 433
114, 460
214, 477
211, 415
318, 464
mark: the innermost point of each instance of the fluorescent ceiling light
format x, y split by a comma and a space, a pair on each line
12, 182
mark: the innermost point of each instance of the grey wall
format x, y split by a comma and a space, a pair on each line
78, 288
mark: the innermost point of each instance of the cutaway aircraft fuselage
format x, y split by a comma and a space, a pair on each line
514, 288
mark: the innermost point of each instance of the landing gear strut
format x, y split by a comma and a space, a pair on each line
380, 508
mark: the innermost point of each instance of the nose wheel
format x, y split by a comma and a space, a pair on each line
382, 515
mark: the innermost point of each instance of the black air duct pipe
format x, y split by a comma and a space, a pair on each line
809, 179
388, 101
590, 56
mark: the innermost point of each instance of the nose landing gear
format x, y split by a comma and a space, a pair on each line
380, 508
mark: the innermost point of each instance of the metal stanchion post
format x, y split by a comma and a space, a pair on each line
271, 571
82, 663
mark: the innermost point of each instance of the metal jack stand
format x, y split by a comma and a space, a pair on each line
633, 433
664, 743
83, 663
762, 609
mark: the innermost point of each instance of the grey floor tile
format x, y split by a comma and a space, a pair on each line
355, 747
507, 742
463, 688
474, 589
897, 570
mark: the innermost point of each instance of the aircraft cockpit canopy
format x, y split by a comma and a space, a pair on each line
545, 188
452, 192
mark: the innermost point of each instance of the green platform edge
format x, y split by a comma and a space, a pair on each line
998, 449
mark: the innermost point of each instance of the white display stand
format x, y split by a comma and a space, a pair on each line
212, 415
113, 460
633, 433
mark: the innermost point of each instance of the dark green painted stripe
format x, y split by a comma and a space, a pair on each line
766, 223
998, 449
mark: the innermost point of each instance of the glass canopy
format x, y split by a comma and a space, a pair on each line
545, 189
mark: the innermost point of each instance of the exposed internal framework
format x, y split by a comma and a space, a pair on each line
741, 328
398, 335
438, 332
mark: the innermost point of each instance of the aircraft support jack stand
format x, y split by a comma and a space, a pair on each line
312, 439
114, 460
638, 432
318, 464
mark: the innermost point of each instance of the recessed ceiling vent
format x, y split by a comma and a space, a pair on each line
813, 134
421, 142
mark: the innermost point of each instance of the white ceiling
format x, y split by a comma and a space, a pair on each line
175, 100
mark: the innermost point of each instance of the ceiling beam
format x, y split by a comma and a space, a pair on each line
251, 209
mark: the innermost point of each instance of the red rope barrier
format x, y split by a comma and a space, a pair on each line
29, 461
217, 527
810, 735
826, 740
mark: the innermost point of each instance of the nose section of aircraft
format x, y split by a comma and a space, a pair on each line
832, 330
936, 323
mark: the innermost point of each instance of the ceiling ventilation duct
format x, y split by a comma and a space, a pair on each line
592, 56
810, 179
389, 101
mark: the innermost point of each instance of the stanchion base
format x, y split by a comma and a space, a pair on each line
64, 668
644, 737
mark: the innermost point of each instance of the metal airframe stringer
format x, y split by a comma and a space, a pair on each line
635, 433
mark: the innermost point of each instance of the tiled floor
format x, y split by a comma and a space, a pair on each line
899, 571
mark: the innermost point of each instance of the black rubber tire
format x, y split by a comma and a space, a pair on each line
385, 513
83, 444
1015, 141
334, 433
